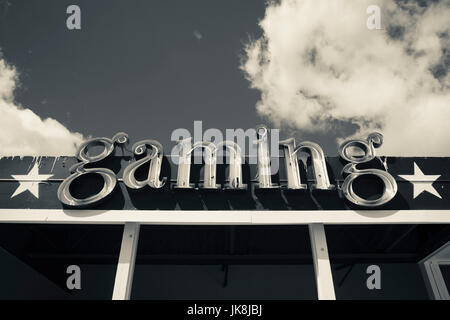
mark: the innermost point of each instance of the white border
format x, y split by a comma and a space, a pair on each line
224, 217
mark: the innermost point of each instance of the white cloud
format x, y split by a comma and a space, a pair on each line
22, 132
317, 63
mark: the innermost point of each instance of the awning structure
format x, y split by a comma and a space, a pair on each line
250, 226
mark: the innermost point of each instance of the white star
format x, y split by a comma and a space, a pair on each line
30, 181
422, 182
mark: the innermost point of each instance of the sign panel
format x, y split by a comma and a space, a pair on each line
422, 183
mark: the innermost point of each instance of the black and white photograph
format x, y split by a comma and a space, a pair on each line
226, 156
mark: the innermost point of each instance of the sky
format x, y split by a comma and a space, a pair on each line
135, 66
148, 67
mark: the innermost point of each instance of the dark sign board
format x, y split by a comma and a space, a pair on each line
423, 183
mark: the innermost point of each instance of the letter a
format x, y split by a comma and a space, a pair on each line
74, 280
74, 20
374, 20
374, 281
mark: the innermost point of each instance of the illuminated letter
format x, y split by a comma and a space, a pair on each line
292, 170
264, 172
235, 174
184, 164
155, 158
79, 169
374, 140
318, 164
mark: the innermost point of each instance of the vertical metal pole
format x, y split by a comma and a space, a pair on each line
125, 266
322, 267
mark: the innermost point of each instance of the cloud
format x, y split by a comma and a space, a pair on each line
22, 132
318, 67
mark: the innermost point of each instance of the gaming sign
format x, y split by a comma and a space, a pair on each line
145, 178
